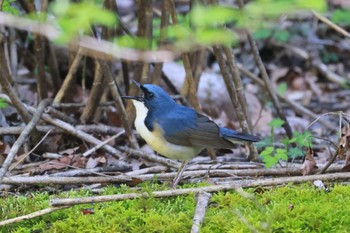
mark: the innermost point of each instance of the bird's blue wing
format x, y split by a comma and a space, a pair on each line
186, 127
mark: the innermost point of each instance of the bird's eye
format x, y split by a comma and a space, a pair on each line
149, 95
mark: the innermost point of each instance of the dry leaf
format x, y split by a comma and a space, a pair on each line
309, 165
344, 142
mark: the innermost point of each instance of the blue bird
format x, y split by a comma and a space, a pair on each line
176, 131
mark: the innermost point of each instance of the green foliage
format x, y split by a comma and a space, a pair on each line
77, 18
275, 34
313, 210
6, 7
271, 155
209, 25
341, 16
3, 103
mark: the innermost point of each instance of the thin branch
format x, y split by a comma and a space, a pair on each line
91, 46
78, 133
23, 137
31, 215
95, 148
189, 88
297, 107
45, 180
331, 24
201, 208
70, 78
99, 129
210, 189
6, 85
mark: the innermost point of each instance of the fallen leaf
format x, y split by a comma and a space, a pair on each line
344, 142
309, 165
87, 211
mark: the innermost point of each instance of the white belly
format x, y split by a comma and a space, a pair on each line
157, 141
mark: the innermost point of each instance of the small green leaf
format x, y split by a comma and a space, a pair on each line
215, 36
212, 16
281, 154
282, 88
267, 151
341, 17
3, 103
277, 123
295, 152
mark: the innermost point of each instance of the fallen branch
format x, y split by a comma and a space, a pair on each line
99, 129
210, 189
31, 215
201, 208
23, 137
64, 180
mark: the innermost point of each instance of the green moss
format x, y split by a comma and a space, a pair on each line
284, 209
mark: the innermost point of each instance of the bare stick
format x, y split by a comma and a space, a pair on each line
31, 215
210, 189
331, 24
95, 148
150, 157
91, 46
64, 180
24, 135
95, 93
78, 133
69, 80
14, 165
188, 88
6, 84
297, 107
201, 208
102, 129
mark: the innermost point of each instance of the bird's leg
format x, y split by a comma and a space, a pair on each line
179, 174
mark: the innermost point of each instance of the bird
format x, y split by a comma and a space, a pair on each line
177, 131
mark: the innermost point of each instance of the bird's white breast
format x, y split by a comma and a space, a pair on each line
156, 139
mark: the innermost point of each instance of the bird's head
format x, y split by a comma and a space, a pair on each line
154, 97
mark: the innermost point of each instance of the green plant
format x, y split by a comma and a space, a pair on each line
83, 14
3, 103
7, 7
292, 148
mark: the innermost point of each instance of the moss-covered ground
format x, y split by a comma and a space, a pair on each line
290, 208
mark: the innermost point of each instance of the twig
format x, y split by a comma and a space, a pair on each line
95, 148
31, 151
297, 107
119, 105
6, 84
154, 169
95, 94
60, 115
150, 157
100, 129
100, 171
331, 24
164, 22
210, 189
201, 208
32, 215
91, 46
70, 78
78, 133
218, 52
65, 180
189, 88
24, 135
266, 79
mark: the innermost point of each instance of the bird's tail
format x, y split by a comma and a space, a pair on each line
236, 136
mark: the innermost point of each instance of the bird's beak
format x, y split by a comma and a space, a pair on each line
138, 98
